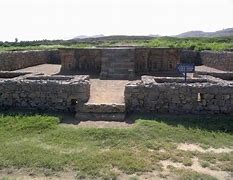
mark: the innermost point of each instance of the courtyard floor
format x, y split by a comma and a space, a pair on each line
47, 69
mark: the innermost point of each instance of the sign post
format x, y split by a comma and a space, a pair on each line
185, 68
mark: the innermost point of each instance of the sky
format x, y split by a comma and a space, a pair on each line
64, 19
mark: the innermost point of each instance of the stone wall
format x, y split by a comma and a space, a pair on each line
177, 98
218, 60
154, 60
53, 93
21, 59
146, 60
117, 63
81, 61
190, 56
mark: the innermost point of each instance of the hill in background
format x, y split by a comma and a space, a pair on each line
221, 33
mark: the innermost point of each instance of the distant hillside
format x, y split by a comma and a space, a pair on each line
99, 38
85, 37
112, 38
221, 33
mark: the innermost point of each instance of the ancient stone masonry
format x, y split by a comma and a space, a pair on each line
218, 60
54, 93
119, 62
160, 91
21, 59
156, 60
81, 61
194, 97
190, 56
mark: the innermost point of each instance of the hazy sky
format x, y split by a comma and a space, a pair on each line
59, 19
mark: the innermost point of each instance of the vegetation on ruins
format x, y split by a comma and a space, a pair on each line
40, 142
217, 44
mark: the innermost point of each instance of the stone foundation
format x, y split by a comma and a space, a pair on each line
178, 98
21, 59
218, 60
53, 93
205, 93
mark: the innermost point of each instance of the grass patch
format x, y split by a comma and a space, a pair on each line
191, 175
37, 141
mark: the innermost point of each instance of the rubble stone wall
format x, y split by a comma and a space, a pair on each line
21, 59
53, 93
178, 98
218, 60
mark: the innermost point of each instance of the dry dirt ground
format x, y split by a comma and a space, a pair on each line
208, 69
47, 69
107, 91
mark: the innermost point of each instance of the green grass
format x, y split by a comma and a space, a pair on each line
43, 47
38, 141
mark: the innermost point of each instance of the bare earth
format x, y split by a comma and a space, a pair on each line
107, 91
195, 147
47, 69
208, 69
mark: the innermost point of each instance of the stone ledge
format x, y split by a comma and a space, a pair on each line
101, 108
100, 116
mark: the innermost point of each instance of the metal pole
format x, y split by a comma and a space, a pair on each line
185, 74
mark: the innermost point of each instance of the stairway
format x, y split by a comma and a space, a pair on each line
103, 112
117, 63
106, 102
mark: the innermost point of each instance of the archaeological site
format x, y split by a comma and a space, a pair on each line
111, 83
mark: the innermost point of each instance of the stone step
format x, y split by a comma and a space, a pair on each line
119, 71
100, 116
103, 112
101, 108
118, 76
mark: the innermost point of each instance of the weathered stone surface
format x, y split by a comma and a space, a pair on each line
21, 59
56, 93
218, 60
153, 60
119, 63
79, 61
168, 97
100, 108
